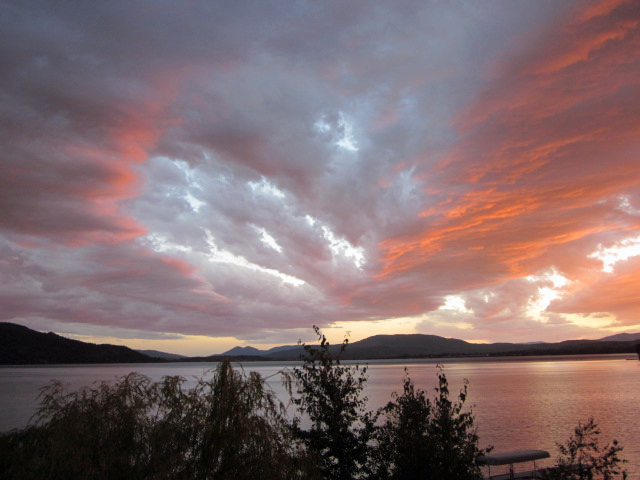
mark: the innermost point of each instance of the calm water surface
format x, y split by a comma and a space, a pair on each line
523, 403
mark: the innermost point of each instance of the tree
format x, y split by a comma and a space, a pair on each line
582, 457
330, 402
229, 426
427, 439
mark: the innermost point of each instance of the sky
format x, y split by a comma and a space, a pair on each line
191, 176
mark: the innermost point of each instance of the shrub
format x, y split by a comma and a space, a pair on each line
582, 457
230, 426
425, 439
329, 398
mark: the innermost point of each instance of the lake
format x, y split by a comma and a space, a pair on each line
519, 403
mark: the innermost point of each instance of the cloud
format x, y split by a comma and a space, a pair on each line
608, 293
243, 170
544, 156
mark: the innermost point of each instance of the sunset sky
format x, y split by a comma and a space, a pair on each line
191, 176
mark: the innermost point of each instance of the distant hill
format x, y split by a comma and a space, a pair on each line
413, 345
220, 358
621, 337
243, 351
282, 348
20, 345
427, 346
251, 351
164, 355
405, 346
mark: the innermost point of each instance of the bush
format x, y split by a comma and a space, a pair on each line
581, 457
329, 398
425, 439
230, 426
233, 427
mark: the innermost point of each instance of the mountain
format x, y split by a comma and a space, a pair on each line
425, 346
222, 357
251, 351
164, 355
281, 349
243, 351
412, 345
404, 346
20, 345
621, 337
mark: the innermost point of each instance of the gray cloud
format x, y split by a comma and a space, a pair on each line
243, 169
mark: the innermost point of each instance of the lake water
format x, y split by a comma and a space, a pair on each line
522, 403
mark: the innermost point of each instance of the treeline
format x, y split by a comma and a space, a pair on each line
232, 426
20, 345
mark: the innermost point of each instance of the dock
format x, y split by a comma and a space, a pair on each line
511, 458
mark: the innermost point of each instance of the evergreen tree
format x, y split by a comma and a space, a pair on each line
427, 439
329, 398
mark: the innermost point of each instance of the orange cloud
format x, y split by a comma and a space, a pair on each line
67, 182
544, 154
611, 293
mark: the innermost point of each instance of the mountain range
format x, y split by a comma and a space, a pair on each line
621, 337
163, 355
254, 351
21, 345
419, 345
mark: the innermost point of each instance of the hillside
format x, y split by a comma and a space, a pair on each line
425, 346
20, 345
251, 351
404, 346
172, 357
621, 337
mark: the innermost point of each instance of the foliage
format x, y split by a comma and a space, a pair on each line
230, 426
581, 457
329, 396
425, 439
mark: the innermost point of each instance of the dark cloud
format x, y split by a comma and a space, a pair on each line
243, 169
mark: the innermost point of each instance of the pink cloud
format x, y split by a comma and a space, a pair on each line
140, 143
607, 293
535, 172
545, 153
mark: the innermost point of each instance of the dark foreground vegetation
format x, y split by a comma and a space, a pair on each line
232, 426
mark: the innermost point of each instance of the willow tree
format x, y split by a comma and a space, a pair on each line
228, 426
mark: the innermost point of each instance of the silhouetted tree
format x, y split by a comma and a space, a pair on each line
329, 398
230, 426
582, 457
427, 439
